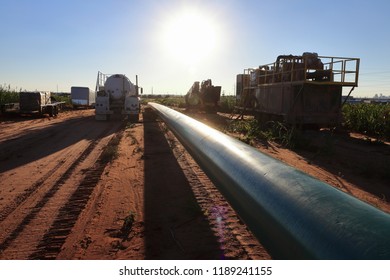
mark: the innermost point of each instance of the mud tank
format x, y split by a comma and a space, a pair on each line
303, 90
116, 97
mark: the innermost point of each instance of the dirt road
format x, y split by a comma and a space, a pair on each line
75, 188
48, 168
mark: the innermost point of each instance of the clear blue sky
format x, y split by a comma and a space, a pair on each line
47, 45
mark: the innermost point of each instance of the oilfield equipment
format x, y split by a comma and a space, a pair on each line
203, 96
298, 90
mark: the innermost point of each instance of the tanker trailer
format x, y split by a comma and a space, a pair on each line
116, 97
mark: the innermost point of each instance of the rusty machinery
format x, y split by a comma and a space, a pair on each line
203, 96
302, 90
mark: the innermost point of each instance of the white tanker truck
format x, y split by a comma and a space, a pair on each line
116, 96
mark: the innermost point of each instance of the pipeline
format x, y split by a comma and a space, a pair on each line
294, 215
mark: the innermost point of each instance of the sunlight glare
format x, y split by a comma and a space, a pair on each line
190, 37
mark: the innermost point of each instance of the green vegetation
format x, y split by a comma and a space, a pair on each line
370, 119
251, 130
167, 100
63, 98
8, 95
227, 103
128, 224
110, 152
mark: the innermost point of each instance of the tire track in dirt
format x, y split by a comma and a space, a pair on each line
26, 125
23, 196
237, 242
20, 198
23, 142
50, 245
50, 193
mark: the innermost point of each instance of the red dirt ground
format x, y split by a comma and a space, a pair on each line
61, 197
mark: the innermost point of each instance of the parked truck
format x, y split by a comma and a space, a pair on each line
82, 97
34, 102
117, 96
38, 102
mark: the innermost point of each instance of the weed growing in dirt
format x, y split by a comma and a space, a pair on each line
129, 125
249, 129
134, 141
128, 224
129, 134
111, 151
252, 130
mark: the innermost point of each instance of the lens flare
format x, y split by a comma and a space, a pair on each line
190, 36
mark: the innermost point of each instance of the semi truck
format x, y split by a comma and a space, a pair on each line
39, 102
34, 102
82, 97
117, 96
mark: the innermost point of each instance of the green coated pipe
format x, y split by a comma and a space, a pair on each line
294, 215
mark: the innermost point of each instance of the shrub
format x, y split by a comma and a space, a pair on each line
8, 95
227, 104
370, 119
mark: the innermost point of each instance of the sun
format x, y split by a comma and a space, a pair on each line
190, 37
